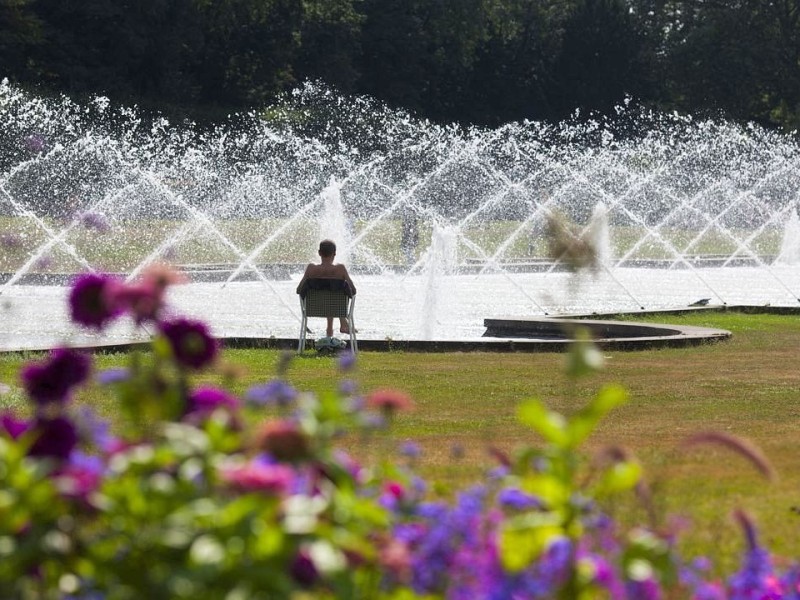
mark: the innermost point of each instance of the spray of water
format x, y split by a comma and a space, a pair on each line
676, 208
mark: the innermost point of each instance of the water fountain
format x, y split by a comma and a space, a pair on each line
441, 226
790, 244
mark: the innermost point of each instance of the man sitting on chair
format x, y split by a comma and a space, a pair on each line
327, 270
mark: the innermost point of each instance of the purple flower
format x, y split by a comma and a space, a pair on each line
81, 475
410, 449
348, 387
303, 570
645, 589
709, 591
13, 426
53, 379
207, 399
55, 438
276, 392
192, 344
96, 430
113, 375
93, 300
514, 498
347, 361
94, 220
755, 580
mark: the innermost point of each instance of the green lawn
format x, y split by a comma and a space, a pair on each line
748, 386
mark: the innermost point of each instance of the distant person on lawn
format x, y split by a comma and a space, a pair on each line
327, 270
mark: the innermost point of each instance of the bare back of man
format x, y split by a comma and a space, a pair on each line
327, 270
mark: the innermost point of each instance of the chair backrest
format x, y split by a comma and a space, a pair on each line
326, 298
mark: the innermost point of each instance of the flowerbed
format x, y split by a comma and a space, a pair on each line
205, 494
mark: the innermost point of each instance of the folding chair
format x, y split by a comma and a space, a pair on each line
327, 298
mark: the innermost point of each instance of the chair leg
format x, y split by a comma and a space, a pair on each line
351, 324
301, 342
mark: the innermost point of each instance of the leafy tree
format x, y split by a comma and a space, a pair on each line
514, 73
248, 49
420, 54
20, 31
601, 57
130, 51
330, 43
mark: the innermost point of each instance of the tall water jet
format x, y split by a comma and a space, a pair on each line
333, 223
599, 235
790, 243
440, 263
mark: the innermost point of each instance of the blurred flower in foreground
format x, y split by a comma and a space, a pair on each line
161, 276
347, 361
191, 342
284, 440
94, 220
93, 300
389, 401
13, 426
53, 379
276, 392
113, 375
258, 476
205, 400
55, 438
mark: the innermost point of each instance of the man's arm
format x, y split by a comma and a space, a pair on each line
303, 280
346, 277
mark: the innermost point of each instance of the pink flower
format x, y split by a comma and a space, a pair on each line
142, 300
395, 557
394, 489
259, 477
161, 276
207, 399
389, 401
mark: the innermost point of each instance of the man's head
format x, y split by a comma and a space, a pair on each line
327, 248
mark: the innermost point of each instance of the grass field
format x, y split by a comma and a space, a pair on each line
748, 386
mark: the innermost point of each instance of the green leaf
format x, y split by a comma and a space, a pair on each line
584, 357
519, 547
621, 477
549, 489
608, 398
550, 425
584, 422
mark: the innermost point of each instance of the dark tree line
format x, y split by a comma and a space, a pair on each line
478, 61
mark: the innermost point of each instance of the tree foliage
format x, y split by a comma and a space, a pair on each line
478, 61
